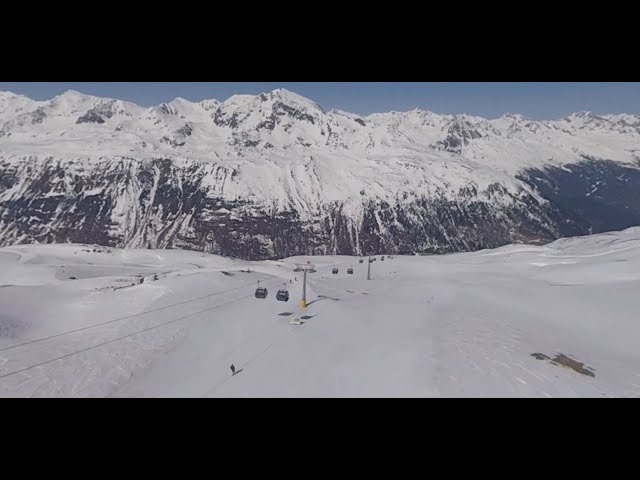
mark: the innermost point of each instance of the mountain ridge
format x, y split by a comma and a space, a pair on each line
288, 93
298, 179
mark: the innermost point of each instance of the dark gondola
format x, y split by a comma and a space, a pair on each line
350, 271
261, 292
335, 271
282, 296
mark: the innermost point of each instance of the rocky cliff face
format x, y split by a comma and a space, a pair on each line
275, 175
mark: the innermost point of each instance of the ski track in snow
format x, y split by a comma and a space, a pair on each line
456, 325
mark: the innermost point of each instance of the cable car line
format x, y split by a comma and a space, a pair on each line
243, 366
127, 317
123, 337
140, 331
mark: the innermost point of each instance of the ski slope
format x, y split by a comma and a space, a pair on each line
520, 321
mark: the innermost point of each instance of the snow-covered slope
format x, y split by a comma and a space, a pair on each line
275, 174
557, 320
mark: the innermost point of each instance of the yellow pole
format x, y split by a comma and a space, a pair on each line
303, 302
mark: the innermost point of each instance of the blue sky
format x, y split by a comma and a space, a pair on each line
538, 100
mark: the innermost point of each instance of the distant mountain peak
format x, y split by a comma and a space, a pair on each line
291, 98
514, 116
74, 94
8, 94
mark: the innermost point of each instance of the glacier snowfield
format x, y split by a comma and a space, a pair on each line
558, 320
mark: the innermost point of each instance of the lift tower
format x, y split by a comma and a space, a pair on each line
305, 268
369, 268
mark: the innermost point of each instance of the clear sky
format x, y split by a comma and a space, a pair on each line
538, 100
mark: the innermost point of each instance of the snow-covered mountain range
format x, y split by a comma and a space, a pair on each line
275, 175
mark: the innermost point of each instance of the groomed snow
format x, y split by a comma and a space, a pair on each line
455, 325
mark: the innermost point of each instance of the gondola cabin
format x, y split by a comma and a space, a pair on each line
335, 271
282, 296
261, 293
350, 271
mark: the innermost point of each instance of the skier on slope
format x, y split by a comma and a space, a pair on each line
233, 369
